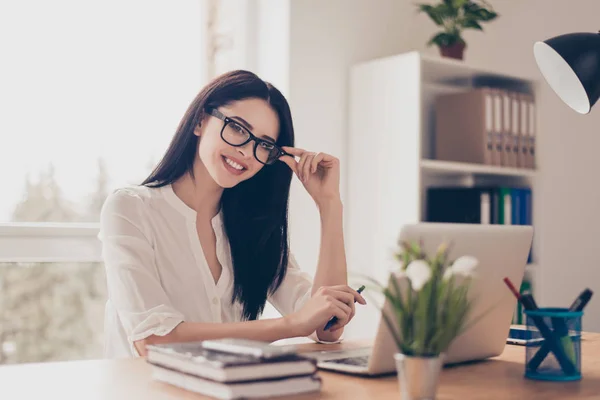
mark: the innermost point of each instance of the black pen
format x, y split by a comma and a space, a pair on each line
581, 300
334, 319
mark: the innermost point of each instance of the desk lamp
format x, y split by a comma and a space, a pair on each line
570, 64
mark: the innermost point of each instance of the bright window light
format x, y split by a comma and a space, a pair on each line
86, 81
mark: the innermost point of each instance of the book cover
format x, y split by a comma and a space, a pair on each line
242, 390
219, 366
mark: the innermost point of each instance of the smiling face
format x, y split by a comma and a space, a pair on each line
229, 165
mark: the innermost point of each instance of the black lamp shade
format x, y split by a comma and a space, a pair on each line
571, 65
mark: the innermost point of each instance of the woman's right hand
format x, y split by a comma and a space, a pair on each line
327, 302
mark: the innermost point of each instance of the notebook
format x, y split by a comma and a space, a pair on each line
192, 358
246, 390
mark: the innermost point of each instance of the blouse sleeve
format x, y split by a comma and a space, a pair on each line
133, 282
293, 292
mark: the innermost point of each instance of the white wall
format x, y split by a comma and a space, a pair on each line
326, 38
568, 196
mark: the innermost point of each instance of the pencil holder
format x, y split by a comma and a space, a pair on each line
553, 349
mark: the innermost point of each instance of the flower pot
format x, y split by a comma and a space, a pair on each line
418, 376
455, 51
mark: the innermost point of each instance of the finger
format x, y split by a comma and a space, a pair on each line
346, 297
337, 325
290, 162
342, 312
315, 162
345, 309
307, 165
301, 163
352, 311
345, 288
341, 295
295, 151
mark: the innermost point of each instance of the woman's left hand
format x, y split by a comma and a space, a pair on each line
318, 172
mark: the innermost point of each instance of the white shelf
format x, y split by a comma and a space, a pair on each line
393, 99
458, 168
445, 70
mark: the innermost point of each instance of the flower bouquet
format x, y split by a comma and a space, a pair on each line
429, 308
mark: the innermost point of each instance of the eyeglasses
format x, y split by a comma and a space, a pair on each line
236, 135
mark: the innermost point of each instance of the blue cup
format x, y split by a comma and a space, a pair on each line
553, 349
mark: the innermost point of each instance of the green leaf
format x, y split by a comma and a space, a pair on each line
447, 9
478, 13
432, 12
472, 24
444, 39
486, 15
398, 293
392, 330
458, 4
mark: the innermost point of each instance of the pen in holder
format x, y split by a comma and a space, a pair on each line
553, 344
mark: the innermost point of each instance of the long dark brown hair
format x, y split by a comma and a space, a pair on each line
255, 212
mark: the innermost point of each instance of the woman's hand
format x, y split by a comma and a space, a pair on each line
327, 302
318, 172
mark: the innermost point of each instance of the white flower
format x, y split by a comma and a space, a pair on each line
419, 274
464, 266
448, 273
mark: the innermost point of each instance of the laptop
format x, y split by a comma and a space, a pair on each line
502, 251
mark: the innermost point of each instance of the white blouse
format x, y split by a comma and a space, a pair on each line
157, 274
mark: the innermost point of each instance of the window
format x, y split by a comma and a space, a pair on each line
51, 311
92, 93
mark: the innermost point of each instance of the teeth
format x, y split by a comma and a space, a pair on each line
234, 164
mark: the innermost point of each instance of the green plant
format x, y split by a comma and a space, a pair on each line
429, 299
455, 16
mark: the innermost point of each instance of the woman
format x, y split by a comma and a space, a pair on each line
196, 250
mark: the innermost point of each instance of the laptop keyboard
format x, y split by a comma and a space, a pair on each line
358, 361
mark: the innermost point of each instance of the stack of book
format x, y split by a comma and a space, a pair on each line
486, 126
225, 375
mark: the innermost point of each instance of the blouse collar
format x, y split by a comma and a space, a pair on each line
189, 213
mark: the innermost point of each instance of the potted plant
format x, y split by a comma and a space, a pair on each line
427, 308
454, 16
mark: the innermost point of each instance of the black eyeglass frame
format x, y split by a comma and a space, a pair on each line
251, 137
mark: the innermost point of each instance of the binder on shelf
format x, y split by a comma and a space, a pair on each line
531, 123
465, 127
515, 195
528, 130
514, 130
488, 157
523, 131
474, 205
518, 130
498, 153
505, 206
507, 157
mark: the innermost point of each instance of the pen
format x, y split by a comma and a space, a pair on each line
560, 328
552, 340
334, 319
581, 300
